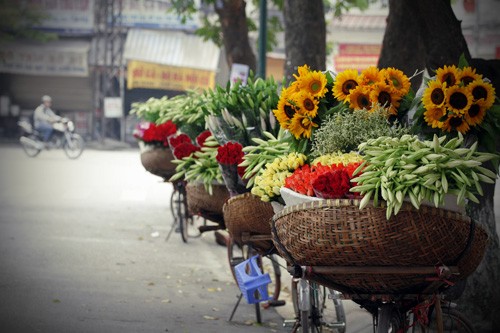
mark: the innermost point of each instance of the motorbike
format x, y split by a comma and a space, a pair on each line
63, 136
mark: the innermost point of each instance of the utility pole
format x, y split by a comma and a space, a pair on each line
261, 63
109, 69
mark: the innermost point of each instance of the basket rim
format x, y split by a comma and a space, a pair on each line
336, 203
241, 197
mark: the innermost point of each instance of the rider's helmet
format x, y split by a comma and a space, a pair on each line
46, 98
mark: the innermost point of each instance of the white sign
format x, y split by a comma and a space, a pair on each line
239, 72
53, 59
66, 15
113, 107
155, 15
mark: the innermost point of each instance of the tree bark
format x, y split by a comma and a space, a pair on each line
305, 36
403, 48
439, 38
234, 27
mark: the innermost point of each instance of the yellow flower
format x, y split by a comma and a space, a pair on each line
482, 90
458, 99
475, 115
286, 107
314, 83
433, 117
455, 122
397, 80
383, 94
360, 98
371, 75
344, 83
302, 126
306, 103
303, 71
468, 75
448, 74
434, 95
337, 158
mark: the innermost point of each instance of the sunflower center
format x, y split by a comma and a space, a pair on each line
315, 87
384, 98
308, 104
449, 78
466, 80
456, 122
458, 100
395, 82
479, 92
289, 111
305, 123
363, 101
437, 96
474, 110
348, 86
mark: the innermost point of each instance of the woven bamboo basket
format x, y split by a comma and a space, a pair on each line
200, 201
158, 161
337, 233
246, 213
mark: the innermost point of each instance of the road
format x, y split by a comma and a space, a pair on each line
82, 249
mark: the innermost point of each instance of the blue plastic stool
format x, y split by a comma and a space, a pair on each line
253, 285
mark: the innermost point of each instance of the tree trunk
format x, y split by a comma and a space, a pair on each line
234, 27
441, 37
305, 36
403, 48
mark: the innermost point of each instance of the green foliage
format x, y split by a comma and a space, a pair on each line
17, 20
345, 130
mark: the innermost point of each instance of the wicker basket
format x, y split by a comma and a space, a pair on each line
158, 161
246, 213
200, 201
337, 233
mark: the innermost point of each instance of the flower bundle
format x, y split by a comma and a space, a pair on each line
152, 133
385, 87
455, 100
321, 177
202, 137
185, 149
177, 139
229, 156
268, 182
230, 153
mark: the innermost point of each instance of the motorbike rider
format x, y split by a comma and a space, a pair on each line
44, 118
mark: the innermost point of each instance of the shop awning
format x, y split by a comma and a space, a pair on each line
169, 60
55, 58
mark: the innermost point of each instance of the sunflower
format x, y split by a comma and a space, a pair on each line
344, 83
455, 122
301, 126
468, 75
286, 108
360, 98
434, 95
475, 115
384, 95
307, 105
433, 117
448, 74
397, 80
371, 75
458, 99
302, 70
315, 83
482, 90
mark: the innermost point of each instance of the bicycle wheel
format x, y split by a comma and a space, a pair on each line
389, 319
312, 310
30, 147
453, 322
73, 146
268, 264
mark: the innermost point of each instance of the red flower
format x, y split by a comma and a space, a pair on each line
159, 133
200, 139
175, 140
332, 185
185, 149
230, 153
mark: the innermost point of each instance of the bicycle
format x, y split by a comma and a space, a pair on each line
423, 312
185, 221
